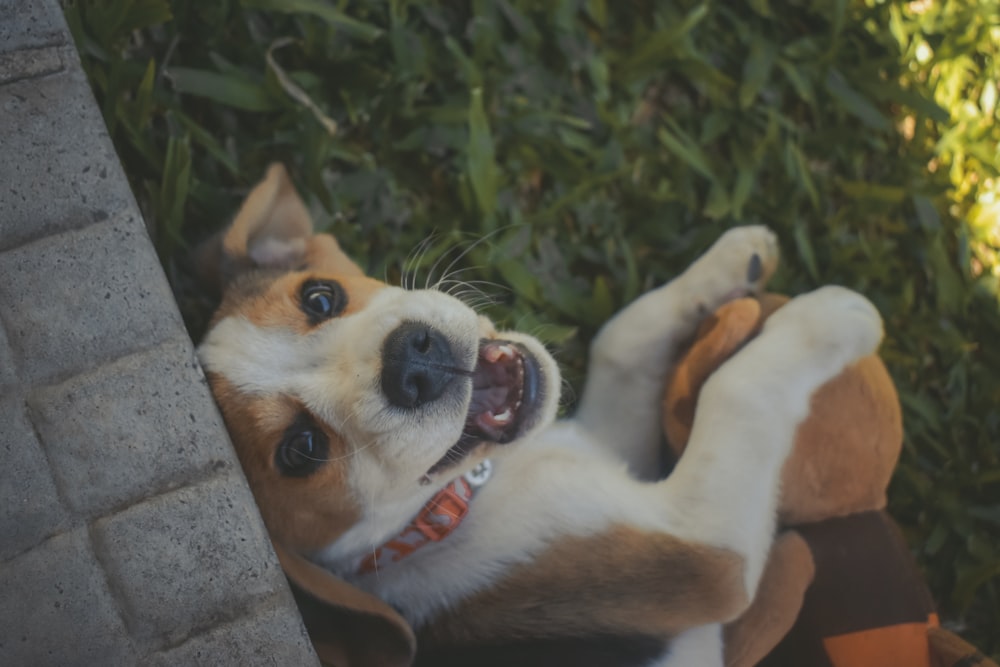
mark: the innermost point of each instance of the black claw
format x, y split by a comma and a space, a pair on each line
756, 269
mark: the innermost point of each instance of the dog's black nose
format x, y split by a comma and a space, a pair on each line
417, 365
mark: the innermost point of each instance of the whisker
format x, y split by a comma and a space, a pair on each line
473, 293
462, 290
567, 395
434, 267
348, 455
475, 283
472, 246
451, 369
408, 271
478, 305
457, 272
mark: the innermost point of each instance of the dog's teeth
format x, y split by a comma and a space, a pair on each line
503, 417
494, 353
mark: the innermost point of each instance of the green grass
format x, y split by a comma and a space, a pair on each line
597, 147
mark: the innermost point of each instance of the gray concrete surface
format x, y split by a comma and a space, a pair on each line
127, 533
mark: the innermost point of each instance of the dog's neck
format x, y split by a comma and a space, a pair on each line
442, 514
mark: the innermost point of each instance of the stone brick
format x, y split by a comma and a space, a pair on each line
7, 375
140, 425
30, 509
83, 297
59, 170
274, 636
187, 560
30, 63
102, 408
57, 610
30, 23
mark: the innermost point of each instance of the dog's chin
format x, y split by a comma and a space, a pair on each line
508, 398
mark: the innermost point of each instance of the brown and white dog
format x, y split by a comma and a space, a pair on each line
407, 462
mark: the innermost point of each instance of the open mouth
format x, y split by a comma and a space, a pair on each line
505, 392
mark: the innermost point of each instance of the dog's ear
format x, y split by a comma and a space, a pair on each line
348, 627
273, 230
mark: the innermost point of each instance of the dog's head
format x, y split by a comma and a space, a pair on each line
351, 402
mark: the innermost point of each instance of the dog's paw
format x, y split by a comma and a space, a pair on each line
739, 263
832, 323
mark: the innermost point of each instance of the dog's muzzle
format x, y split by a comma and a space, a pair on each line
418, 365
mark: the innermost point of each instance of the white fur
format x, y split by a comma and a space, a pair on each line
579, 476
334, 372
700, 647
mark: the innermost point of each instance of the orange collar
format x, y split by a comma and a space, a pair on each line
437, 520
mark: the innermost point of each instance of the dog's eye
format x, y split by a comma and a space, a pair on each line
322, 300
301, 453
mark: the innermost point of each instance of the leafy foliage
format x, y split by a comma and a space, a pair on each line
569, 155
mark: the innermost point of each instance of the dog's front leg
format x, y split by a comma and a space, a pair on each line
631, 356
724, 489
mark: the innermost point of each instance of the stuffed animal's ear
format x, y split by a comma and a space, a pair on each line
840, 466
272, 230
720, 335
348, 627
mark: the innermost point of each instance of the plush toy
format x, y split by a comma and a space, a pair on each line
840, 589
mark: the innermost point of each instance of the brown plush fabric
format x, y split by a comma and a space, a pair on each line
846, 450
718, 338
868, 605
789, 572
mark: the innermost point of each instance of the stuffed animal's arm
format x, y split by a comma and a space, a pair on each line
789, 571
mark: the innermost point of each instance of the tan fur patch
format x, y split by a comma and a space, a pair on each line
323, 253
624, 581
824, 478
304, 513
270, 300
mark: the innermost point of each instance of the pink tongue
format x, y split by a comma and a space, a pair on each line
490, 410
488, 399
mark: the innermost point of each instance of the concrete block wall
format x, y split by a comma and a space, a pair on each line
127, 532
